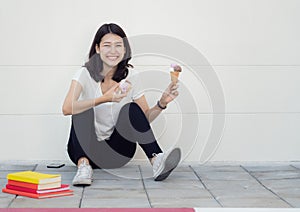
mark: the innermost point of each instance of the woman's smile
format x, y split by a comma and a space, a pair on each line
112, 58
111, 49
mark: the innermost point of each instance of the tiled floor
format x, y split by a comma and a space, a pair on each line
270, 185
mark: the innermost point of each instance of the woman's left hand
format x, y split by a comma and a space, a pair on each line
169, 95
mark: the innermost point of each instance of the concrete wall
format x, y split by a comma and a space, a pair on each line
253, 46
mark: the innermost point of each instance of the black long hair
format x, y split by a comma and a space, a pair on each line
95, 64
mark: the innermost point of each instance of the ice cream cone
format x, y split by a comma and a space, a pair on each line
174, 76
174, 72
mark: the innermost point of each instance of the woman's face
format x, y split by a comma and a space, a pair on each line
111, 49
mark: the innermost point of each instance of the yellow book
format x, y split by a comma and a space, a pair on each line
34, 177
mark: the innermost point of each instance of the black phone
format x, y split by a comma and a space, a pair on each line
55, 165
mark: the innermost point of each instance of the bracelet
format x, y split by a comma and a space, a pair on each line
161, 107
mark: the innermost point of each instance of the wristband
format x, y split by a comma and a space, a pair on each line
161, 107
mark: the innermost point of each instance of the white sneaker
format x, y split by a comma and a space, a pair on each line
83, 175
165, 163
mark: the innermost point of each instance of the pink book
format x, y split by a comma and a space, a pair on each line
38, 196
63, 187
35, 186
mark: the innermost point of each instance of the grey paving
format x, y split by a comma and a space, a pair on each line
277, 175
5, 199
235, 186
60, 202
267, 185
121, 187
296, 165
16, 167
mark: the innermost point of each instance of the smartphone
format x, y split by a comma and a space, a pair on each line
55, 165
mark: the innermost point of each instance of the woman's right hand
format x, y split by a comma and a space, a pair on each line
114, 94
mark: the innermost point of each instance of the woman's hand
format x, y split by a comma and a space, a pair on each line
169, 95
114, 94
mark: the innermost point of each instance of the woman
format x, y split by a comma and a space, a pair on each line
110, 116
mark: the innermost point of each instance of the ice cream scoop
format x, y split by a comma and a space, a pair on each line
174, 72
176, 67
124, 86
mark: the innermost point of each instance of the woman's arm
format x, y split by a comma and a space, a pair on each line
72, 106
151, 113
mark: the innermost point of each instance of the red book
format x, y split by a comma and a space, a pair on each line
34, 186
38, 196
34, 191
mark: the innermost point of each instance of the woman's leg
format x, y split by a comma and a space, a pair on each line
132, 126
99, 153
75, 151
79, 157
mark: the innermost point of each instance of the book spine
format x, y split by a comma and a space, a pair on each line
10, 191
18, 188
38, 196
22, 179
23, 184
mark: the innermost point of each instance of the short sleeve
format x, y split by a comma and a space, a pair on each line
82, 76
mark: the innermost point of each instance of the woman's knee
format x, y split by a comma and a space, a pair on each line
131, 108
131, 105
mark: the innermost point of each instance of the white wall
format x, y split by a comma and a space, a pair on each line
253, 46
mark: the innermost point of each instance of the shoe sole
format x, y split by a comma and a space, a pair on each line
83, 183
171, 163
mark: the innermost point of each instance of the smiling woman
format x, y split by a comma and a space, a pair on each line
106, 124
110, 40
112, 50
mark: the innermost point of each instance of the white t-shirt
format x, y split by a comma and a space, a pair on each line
106, 114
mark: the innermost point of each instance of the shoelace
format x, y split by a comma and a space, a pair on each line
83, 170
157, 161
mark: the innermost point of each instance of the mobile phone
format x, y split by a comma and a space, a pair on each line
55, 165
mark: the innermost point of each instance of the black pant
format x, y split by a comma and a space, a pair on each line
132, 126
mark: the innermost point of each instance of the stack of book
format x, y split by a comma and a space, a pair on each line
36, 185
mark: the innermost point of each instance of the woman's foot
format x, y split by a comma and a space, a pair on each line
84, 174
165, 163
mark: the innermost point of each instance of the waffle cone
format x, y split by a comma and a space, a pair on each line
174, 76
